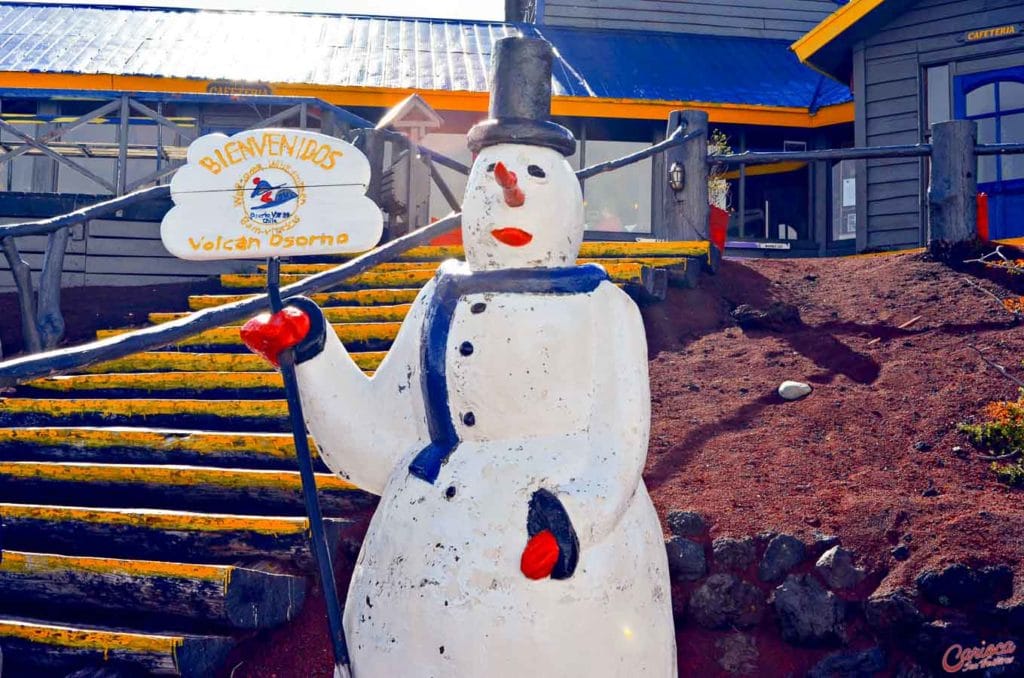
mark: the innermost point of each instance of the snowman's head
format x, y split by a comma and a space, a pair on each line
523, 209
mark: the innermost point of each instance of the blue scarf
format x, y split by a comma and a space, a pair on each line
450, 288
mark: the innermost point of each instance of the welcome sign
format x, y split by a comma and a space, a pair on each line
270, 192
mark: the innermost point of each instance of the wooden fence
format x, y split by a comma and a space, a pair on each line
952, 188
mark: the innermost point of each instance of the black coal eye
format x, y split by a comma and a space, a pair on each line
490, 168
535, 171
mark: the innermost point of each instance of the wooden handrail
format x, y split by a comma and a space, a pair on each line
95, 211
65, 360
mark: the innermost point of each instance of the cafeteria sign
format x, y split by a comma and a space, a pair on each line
270, 192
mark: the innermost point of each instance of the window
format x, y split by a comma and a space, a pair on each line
937, 92
995, 102
453, 146
618, 201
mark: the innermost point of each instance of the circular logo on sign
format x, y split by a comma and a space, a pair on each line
269, 197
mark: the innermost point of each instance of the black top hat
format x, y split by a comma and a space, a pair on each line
521, 99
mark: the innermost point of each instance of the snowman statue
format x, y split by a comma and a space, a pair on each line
505, 432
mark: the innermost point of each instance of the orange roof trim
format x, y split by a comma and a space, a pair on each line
832, 26
476, 102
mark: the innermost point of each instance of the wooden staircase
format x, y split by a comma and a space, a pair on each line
151, 506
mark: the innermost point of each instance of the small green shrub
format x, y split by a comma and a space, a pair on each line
1002, 434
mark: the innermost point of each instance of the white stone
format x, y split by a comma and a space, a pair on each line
794, 390
559, 388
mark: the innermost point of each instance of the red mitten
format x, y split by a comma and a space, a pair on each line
540, 555
267, 335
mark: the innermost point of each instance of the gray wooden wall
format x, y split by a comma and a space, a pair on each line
778, 19
116, 253
888, 88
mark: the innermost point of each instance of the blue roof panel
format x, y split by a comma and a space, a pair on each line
686, 67
400, 53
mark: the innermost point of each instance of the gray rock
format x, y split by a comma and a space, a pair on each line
823, 542
836, 567
738, 654
807, 612
784, 552
901, 552
779, 317
892, 614
959, 585
725, 601
794, 390
863, 664
733, 554
908, 669
686, 560
686, 523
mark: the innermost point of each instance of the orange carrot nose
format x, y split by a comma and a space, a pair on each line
509, 183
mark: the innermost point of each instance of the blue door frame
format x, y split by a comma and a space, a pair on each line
995, 101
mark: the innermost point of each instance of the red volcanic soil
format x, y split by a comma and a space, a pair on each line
842, 461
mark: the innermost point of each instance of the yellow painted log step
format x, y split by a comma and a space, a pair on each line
309, 269
157, 519
274, 447
325, 299
372, 297
160, 381
181, 361
226, 595
356, 333
167, 475
695, 248
618, 272
29, 643
388, 279
334, 314
18, 562
128, 407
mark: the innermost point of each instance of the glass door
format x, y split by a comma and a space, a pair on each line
995, 101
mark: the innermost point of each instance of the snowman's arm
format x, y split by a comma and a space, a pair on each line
363, 425
597, 495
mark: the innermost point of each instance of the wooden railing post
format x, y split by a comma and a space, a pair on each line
26, 299
685, 211
48, 316
953, 185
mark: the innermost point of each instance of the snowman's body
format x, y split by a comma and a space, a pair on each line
543, 389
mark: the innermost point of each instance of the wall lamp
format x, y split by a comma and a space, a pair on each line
676, 177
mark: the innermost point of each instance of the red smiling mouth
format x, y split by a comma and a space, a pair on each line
511, 236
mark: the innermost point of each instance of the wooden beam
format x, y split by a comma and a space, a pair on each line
122, 152
248, 492
953, 185
26, 296
109, 445
163, 121
204, 595
174, 536
96, 211
30, 645
49, 320
60, 132
45, 150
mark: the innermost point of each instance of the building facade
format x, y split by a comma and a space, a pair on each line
913, 64
162, 77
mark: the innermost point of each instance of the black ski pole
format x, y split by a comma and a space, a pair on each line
318, 538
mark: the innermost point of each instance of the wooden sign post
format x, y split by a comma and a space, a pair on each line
271, 193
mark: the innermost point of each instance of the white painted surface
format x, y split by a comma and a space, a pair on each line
270, 192
559, 389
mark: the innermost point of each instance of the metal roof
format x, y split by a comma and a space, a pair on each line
687, 67
398, 53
